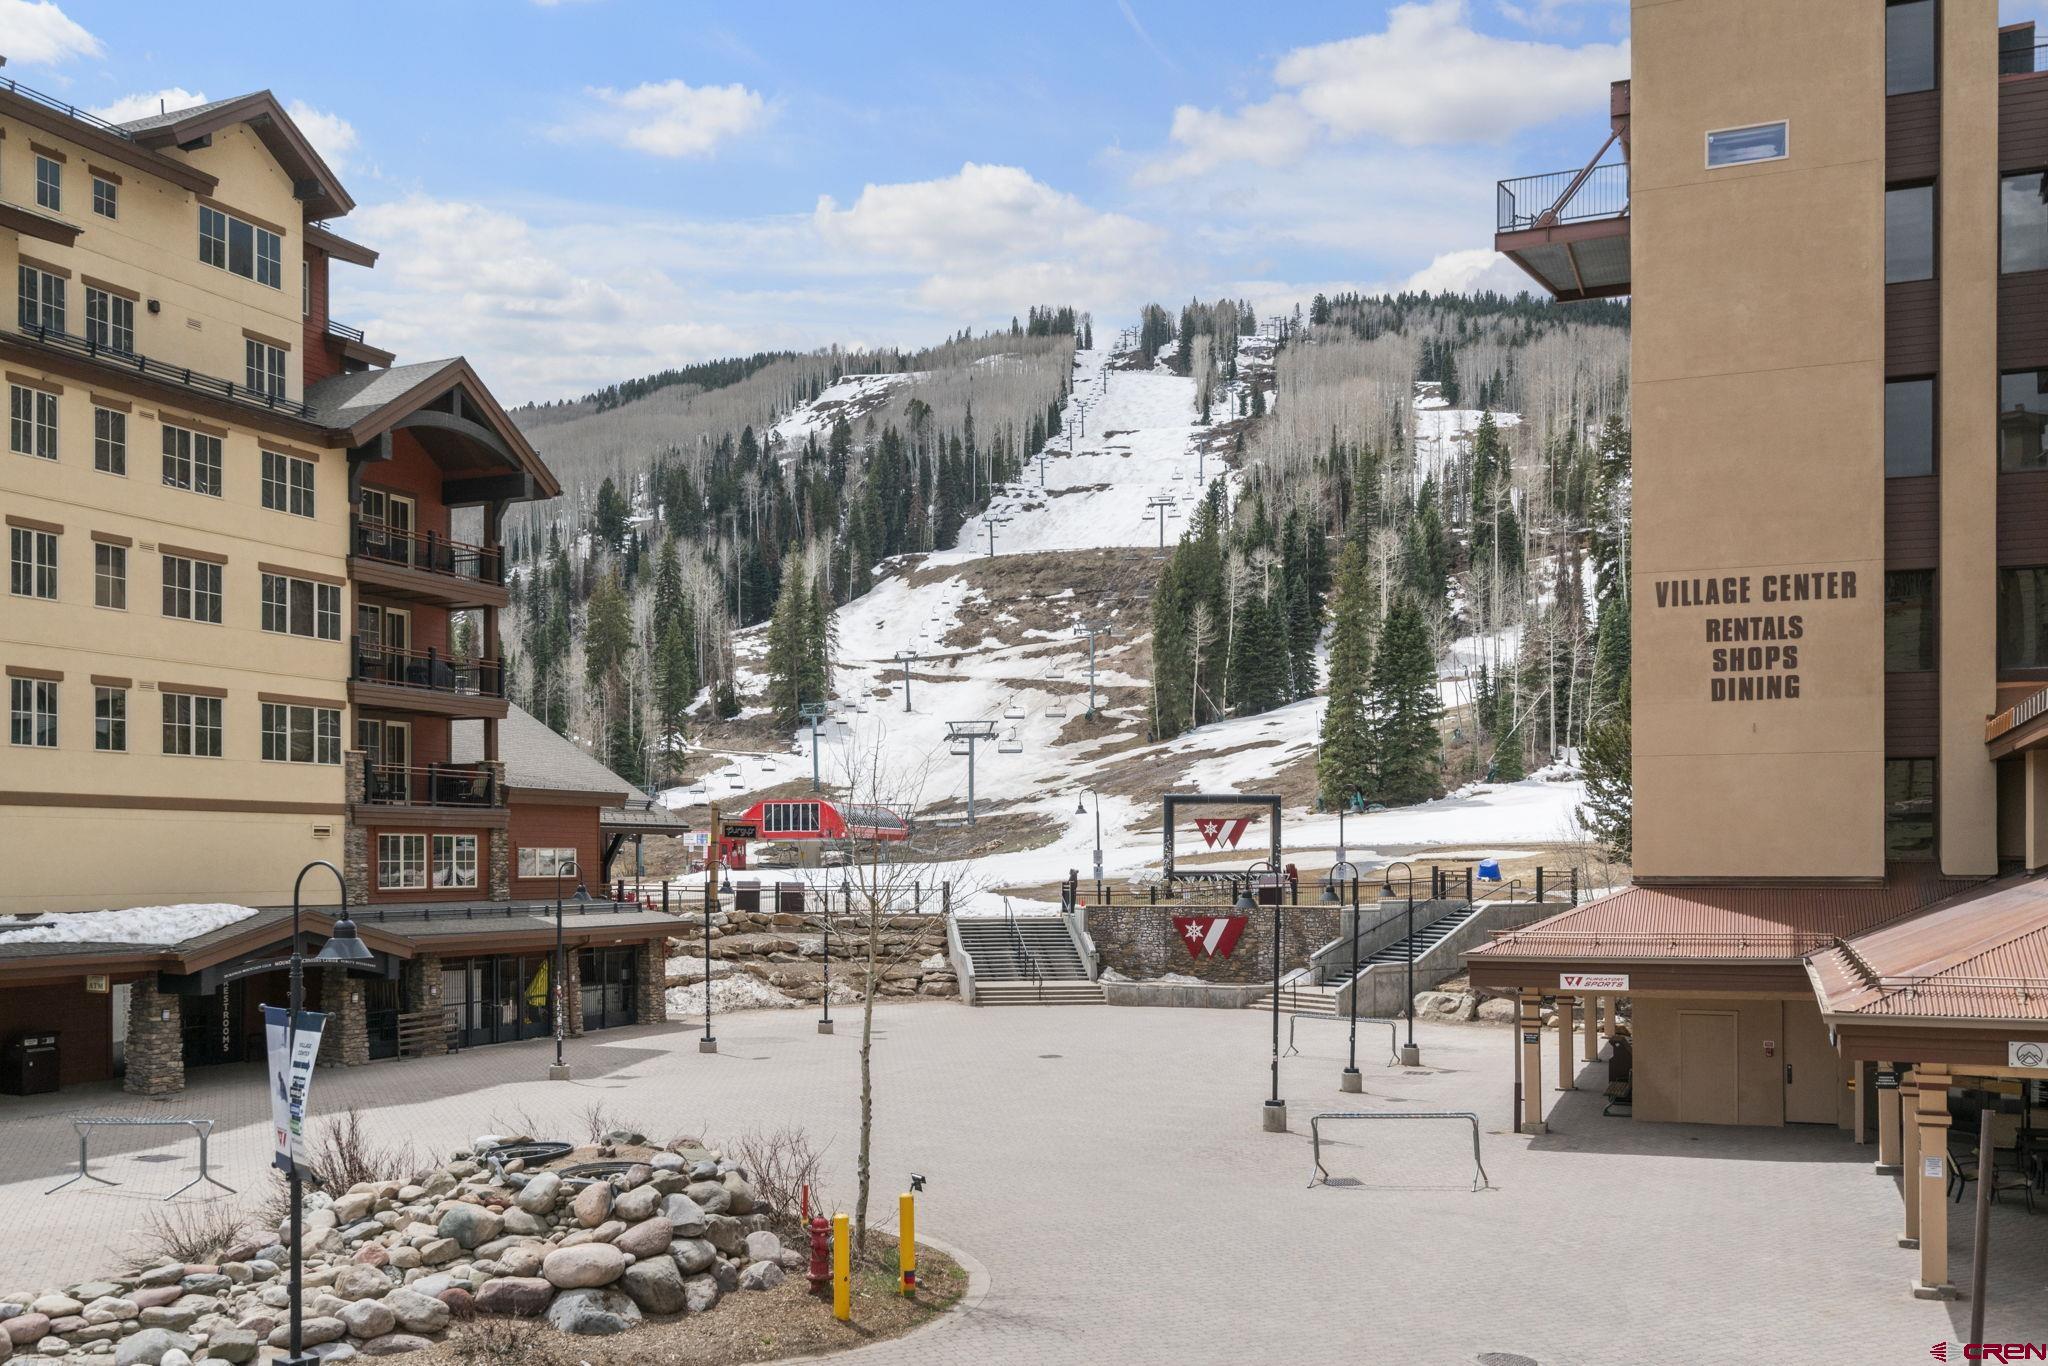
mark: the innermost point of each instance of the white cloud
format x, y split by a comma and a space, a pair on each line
333, 136
37, 33
670, 118
1471, 272
1560, 15
144, 103
1429, 79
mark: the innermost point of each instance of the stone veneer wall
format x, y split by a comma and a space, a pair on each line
574, 1001
500, 841
156, 1044
1140, 941
346, 1037
355, 841
650, 977
421, 988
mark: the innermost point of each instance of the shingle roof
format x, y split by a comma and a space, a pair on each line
535, 757
179, 115
344, 400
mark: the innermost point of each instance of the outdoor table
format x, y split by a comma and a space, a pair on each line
85, 1124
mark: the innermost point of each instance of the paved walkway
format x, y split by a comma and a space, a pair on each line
1107, 1167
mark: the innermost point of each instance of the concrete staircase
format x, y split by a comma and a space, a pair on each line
1025, 960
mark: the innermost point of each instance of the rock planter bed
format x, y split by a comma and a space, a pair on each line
390, 1266
786, 953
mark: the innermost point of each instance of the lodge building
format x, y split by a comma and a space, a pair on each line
1832, 219
241, 634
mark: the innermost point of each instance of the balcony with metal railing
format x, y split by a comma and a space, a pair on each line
437, 785
182, 376
2020, 59
425, 566
1568, 229
427, 680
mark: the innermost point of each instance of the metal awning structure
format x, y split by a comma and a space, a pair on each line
1570, 229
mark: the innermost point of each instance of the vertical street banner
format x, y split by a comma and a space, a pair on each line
290, 1075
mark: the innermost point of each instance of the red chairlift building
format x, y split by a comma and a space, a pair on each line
813, 819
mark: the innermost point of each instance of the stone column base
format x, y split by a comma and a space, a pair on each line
1924, 1291
1351, 1080
1275, 1116
1411, 1055
825, 1026
707, 1045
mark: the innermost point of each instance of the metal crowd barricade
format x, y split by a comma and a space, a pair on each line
1393, 1031
1479, 1182
85, 1124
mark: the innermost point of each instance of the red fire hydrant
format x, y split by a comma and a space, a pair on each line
821, 1257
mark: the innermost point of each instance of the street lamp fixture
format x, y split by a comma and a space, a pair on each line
1411, 1056
560, 1071
344, 946
1349, 1080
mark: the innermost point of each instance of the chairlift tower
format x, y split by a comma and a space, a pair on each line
1092, 632
992, 523
969, 734
906, 658
1159, 505
813, 713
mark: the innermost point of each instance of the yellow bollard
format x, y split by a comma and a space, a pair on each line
906, 1240
842, 1269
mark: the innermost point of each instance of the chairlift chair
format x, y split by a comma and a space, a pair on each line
861, 707
732, 780
1014, 712
1010, 744
1057, 711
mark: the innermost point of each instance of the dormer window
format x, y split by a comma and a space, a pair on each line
240, 248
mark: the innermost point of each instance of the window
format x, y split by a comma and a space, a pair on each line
42, 299
110, 719
241, 248
1740, 146
33, 719
288, 484
1908, 234
2023, 618
109, 321
546, 862
49, 184
263, 367
300, 607
1909, 621
2023, 420
293, 734
192, 725
1908, 46
401, 861
192, 461
305, 289
32, 563
791, 818
32, 425
110, 576
106, 197
1908, 809
1908, 428
110, 441
2023, 222
455, 860
191, 589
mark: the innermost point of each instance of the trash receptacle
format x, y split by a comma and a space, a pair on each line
1489, 870
746, 896
789, 898
28, 1065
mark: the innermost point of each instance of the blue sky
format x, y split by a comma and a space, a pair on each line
577, 191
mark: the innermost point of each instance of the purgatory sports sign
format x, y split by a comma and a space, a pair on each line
1223, 830
1209, 936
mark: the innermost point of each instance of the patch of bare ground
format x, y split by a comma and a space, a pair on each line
747, 1326
936, 836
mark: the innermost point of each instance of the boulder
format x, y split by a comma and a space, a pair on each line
521, 1296
518, 1221
741, 1193
459, 1301
352, 1207
726, 1234
176, 1317
470, 1225
593, 1312
25, 1328
368, 1318
358, 1282
666, 1162
763, 1246
395, 1344
636, 1204
1500, 1010
711, 1195
592, 1205
685, 1215
147, 1347
540, 1194
656, 1285
56, 1306
440, 1251
700, 1293
313, 1331
761, 1276
578, 1268
692, 1254
523, 1261
233, 1344
648, 1238
416, 1312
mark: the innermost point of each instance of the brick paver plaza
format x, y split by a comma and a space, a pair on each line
1106, 1166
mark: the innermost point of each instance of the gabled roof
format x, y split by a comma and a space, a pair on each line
537, 759
368, 403
316, 183
1979, 956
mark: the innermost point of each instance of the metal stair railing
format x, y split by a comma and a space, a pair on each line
1026, 960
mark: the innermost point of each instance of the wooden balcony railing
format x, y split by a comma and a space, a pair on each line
427, 670
429, 552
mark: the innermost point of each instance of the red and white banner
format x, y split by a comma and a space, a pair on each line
1209, 936
1215, 829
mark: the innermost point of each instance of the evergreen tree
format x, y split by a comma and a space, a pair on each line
1508, 763
611, 516
1405, 709
1344, 767
1608, 811
607, 632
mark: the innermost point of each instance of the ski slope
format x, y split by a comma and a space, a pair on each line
1128, 450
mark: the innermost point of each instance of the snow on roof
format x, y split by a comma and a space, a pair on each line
148, 925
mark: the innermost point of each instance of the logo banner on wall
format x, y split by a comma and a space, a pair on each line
1219, 830
290, 1075
1209, 936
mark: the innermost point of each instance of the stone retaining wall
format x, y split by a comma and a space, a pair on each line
1140, 941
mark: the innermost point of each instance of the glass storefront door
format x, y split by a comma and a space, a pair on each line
500, 999
607, 987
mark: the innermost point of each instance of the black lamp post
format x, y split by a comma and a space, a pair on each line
825, 1023
1081, 809
1411, 1056
708, 1044
1350, 1080
560, 1071
343, 946
1276, 1108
